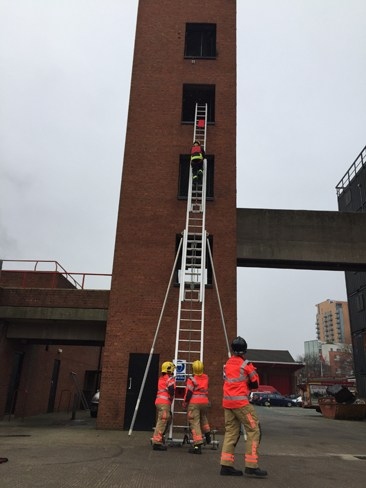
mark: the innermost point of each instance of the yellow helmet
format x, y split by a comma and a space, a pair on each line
167, 367
197, 367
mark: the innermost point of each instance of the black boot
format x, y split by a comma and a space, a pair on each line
208, 437
230, 471
259, 473
159, 447
195, 450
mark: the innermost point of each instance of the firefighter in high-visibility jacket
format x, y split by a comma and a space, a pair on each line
197, 157
196, 402
240, 377
163, 402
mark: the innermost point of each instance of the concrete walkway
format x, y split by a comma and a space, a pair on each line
300, 449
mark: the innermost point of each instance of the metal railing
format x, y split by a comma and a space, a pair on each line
359, 162
77, 279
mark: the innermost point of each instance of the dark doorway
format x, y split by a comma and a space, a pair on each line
13, 387
145, 418
53, 389
91, 383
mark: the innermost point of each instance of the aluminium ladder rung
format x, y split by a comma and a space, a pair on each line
189, 352
190, 330
189, 340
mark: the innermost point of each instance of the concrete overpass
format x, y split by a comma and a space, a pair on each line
301, 239
54, 316
294, 239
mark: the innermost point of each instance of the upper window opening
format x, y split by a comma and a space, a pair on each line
200, 41
200, 94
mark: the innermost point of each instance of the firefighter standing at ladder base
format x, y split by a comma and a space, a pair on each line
197, 157
240, 377
196, 400
163, 402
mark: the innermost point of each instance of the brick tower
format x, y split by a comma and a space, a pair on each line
185, 52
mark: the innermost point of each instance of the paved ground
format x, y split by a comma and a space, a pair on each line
300, 449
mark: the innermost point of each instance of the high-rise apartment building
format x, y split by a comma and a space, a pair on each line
332, 322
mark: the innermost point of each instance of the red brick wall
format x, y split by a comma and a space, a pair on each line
35, 384
37, 372
38, 359
150, 215
35, 297
35, 279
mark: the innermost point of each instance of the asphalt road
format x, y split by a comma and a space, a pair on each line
300, 449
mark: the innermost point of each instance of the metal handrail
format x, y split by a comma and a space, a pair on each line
71, 276
359, 162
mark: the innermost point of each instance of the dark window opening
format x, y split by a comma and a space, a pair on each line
208, 265
201, 94
200, 41
183, 181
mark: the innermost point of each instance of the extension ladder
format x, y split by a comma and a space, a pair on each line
191, 306
192, 277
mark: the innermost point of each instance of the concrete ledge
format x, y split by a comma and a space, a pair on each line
48, 313
301, 239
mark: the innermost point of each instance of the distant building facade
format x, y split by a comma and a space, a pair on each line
312, 348
276, 368
332, 322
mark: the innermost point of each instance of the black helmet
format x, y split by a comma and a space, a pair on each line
239, 345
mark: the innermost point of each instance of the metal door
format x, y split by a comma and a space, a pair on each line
145, 419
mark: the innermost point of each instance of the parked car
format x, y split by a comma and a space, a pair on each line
94, 403
298, 401
254, 395
274, 400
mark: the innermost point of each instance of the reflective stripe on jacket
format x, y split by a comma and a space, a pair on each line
238, 373
196, 153
163, 395
198, 385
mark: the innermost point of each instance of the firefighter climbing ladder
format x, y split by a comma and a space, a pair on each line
192, 279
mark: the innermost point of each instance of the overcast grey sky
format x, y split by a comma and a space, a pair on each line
64, 88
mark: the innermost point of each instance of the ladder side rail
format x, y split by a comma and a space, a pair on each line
203, 294
182, 277
154, 340
185, 236
203, 230
205, 128
195, 122
218, 298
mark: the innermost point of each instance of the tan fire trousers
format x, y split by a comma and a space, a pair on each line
198, 422
233, 419
162, 423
